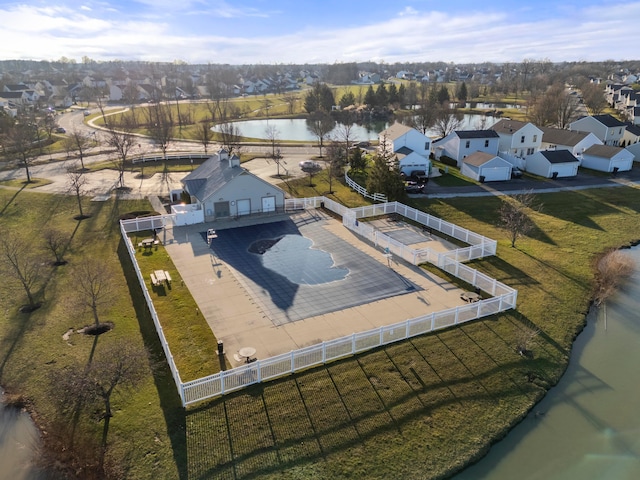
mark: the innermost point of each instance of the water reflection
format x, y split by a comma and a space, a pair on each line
588, 426
19, 445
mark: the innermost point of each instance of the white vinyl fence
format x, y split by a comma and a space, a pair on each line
504, 298
376, 197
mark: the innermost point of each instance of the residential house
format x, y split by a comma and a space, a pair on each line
631, 135
607, 158
460, 143
553, 163
518, 140
486, 167
398, 136
635, 151
607, 128
221, 188
633, 113
560, 139
410, 162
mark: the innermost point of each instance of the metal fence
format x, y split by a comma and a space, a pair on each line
504, 298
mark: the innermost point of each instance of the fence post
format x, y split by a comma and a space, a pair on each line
455, 320
353, 343
324, 352
381, 336
293, 362
221, 383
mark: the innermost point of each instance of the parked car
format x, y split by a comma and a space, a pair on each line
414, 187
87, 113
309, 164
60, 130
516, 172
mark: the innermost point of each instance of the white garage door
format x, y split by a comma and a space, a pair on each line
496, 174
244, 207
268, 204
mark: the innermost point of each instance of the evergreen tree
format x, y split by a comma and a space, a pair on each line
443, 95
462, 94
402, 95
394, 97
370, 97
357, 161
347, 99
382, 96
384, 178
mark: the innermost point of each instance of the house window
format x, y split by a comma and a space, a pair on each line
426, 145
467, 144
486, 143
530, 151
535, 138
522, 139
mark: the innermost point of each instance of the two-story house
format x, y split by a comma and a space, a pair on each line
461, 143
518, 140
560, 139
608, 129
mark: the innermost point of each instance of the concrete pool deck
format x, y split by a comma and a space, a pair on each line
237, 319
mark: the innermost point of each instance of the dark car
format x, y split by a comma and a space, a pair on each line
414, 187
60, 130
516, 172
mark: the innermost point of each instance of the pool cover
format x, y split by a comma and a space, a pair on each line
316, 290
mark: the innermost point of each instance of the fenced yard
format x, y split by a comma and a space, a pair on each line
503, 298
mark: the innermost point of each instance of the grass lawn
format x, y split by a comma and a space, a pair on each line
421, 408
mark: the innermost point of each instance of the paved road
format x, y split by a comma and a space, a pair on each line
102, 183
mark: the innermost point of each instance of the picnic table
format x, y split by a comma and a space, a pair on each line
470, 297
148, 243
159, 276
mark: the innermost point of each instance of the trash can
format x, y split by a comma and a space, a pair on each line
220, 348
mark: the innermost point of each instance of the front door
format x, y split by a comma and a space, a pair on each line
221, 209
244, 207
268, 204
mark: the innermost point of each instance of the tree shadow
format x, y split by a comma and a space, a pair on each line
174, 412
12, 199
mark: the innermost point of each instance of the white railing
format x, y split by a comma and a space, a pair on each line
503, 298
376, 197
296, 360
172, 156
156, 321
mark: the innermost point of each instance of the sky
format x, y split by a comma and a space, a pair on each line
319, 31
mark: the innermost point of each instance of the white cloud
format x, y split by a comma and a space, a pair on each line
594, 33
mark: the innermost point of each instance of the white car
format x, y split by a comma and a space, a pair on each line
309, 164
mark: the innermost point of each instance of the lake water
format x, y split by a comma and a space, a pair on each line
588, 426
295, 129
19, 444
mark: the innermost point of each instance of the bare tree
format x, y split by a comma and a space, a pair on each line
120, 137
230, 136
76, 182
57, 243
337, 157
78, 141
95, 286
593, 97
447, 120
524, 338
118, 367
320, 124
20, 142
514, 214
291, 99
161, 127
204, 134
344, 134
311, 168
20, 262
611, 269
273, 136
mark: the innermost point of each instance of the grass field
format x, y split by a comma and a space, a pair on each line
417, 409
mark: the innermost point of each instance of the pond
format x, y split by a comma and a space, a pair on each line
19, 444
587, 426
295, 129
